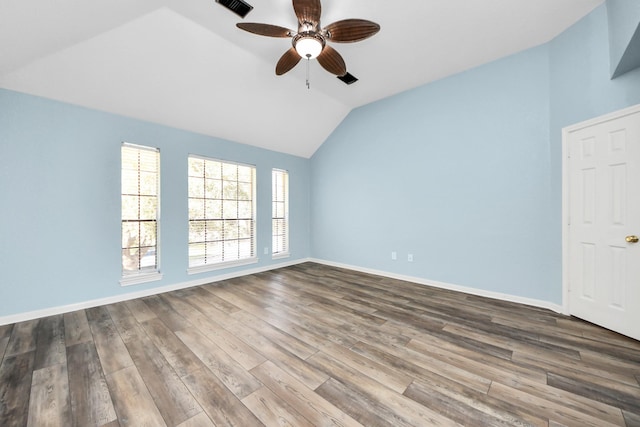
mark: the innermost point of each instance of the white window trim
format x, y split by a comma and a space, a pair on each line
145, 276
281, 255
137, 279
287, 253
235, 263
222, 265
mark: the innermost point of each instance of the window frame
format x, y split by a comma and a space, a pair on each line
221, 264
284, 200
142, 274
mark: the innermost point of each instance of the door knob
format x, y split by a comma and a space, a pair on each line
632, 239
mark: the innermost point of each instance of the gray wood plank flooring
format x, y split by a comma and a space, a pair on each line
312, 345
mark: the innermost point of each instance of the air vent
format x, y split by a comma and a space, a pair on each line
348, 78
238, 7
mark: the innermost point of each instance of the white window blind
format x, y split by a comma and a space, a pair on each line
140, 209
280, 212
221, 213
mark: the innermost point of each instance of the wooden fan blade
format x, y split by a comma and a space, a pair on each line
332, 61
264, 29
289, 60
307, 11
351, 30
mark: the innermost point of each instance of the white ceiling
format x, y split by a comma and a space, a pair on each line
183, 63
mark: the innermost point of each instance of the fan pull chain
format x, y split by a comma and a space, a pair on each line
308, 60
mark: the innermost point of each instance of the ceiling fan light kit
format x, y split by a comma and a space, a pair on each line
308, 45
310, 41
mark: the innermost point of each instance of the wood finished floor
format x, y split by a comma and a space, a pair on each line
312, 345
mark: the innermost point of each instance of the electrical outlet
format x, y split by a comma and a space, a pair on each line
394, 255
266, 251
410, 257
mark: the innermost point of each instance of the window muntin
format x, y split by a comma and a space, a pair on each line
280, 212
221, 212
140, 209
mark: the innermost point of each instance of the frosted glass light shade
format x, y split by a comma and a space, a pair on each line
308, 47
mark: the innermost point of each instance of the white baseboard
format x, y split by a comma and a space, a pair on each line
472, 291
36, 314
21, 317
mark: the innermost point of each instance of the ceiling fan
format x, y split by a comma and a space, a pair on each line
310, 41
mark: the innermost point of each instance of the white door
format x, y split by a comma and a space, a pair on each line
604, 220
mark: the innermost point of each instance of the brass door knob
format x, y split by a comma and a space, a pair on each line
632, 239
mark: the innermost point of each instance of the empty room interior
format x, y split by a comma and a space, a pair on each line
319, 213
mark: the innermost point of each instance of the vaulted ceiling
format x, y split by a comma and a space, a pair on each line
183, 63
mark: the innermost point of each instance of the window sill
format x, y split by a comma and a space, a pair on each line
137, 279
221, 266
281, 255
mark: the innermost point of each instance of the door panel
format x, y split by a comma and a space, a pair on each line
604, 208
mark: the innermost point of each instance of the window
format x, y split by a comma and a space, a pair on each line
140, 213
221, 214
280, 213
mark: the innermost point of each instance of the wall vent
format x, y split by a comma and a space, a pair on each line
348, 78
238, 7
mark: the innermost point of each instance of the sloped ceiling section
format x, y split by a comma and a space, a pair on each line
183, 63
624, 35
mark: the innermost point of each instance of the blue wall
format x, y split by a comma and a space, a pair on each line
465, 173
455, 173
60, 201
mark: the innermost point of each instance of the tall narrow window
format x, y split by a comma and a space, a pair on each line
140, 213
280, 213
221, 214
